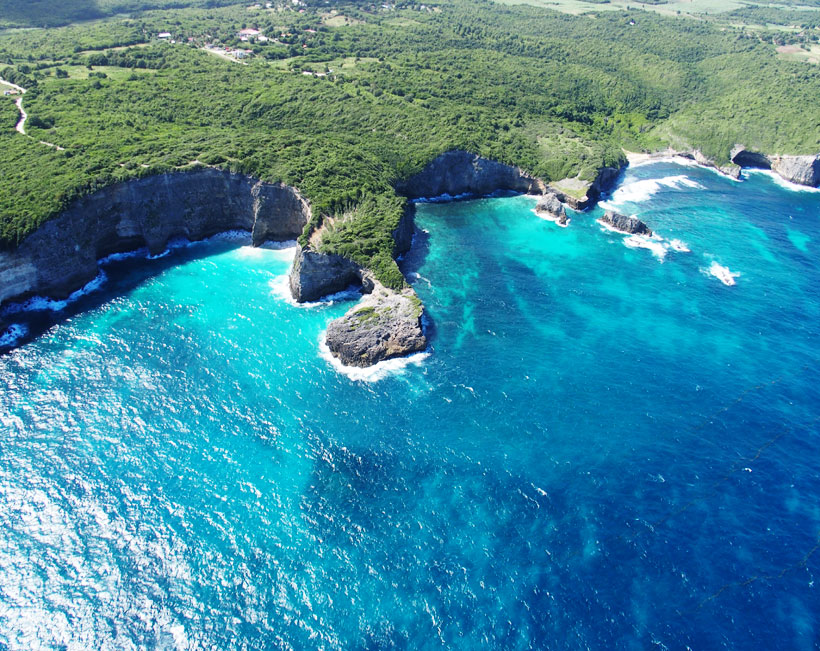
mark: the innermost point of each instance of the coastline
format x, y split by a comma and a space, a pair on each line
451, 176
688, 158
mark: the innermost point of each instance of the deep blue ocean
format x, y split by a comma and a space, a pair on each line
606, 446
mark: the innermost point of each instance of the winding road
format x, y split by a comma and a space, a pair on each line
21, 125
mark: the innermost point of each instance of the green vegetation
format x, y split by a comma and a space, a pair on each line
343, 108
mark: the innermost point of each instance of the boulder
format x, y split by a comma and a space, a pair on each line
624, 224
383, 325
550, 207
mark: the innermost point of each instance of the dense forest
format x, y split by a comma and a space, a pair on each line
343, 102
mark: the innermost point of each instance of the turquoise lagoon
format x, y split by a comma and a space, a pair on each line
604, 447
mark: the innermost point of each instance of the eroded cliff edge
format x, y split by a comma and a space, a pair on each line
62, 255
801, 170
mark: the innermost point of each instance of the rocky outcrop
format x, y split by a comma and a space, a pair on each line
579, 194
315, 274
624, 224
460, 172
383, 325
550, 207
804, 170
732, 169
61, 256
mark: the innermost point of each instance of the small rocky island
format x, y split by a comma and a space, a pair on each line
383, 325
550, 207
623, 224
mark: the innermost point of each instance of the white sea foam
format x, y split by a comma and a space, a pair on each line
654, 244
14, 333
42, 303
413, 277
783, 183
116, 257
445, 198
658, 245
642, 190
723, 274
280, 288
550, 218
678, 245
386, 368
684, 162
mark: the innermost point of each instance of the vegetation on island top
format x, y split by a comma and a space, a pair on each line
343, 102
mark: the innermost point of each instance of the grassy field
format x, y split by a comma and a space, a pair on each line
685, 8
795, 53
111, 72
671, 8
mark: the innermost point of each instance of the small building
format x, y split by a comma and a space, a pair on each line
164, 35
249, 32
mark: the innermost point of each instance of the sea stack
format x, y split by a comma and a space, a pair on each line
624, 224
550, 207
383, 325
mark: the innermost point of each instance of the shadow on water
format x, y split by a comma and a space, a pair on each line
410, 264
121, 277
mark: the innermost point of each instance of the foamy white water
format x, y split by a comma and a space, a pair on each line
656, 245
783, 183
723, 274
639, 191
386, 368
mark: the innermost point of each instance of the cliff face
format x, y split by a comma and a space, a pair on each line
61, 256
314, 275
459, 172
803, 170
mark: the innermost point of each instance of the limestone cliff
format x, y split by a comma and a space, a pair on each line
460, 172
61, 256
314, 275
804, 170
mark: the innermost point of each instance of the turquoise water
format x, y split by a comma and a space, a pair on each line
603, 449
